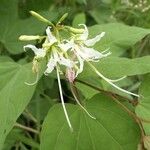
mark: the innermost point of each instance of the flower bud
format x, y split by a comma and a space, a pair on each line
63, 18
39, 17
70, 74
74, 30
29, 37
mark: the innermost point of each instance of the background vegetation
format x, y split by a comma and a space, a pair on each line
31, 117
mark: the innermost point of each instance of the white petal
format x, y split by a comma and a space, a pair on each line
50, 66
39, 52
66, 62
94, 40
81, 63
90, 53
85, 34
65, 46
55, 55
52, 39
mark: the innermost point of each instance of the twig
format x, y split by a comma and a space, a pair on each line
27, 113
136, 118
113, 95
26, 128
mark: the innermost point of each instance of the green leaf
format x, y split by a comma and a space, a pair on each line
10, 34
118, 67
14, 94
143, 107
12, 27
111, 130
37, 104
86, 91
79, 19
8, 12
5, 59
102, 15
119, 37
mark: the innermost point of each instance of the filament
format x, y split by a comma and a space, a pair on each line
36, 80
110, 82
62, 100
81, 105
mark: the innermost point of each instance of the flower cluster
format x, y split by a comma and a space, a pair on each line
70, 53
67, 53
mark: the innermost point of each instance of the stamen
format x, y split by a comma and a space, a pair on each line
110, 82
62, 100
116, 80
37, 77
80, 104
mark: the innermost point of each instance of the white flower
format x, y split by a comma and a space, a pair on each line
84, 48
80, 45
39, 52
55, 59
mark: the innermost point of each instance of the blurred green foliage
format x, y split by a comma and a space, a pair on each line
23, 109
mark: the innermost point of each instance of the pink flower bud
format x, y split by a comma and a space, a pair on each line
70, 74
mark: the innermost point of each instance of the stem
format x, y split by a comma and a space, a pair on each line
26, 128
106, 92
62, 100
114, 96
136, 118
27, 113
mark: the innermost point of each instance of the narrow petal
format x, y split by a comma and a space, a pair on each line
81, 64
65, 46
52, 39
66, 62
106, 52
50, 66
55, 55
90, 53
85, 34
39, 52
93, 41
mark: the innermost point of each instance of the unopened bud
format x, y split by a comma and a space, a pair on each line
41, 18
29, 37
70, 74
63, 18
74, 30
